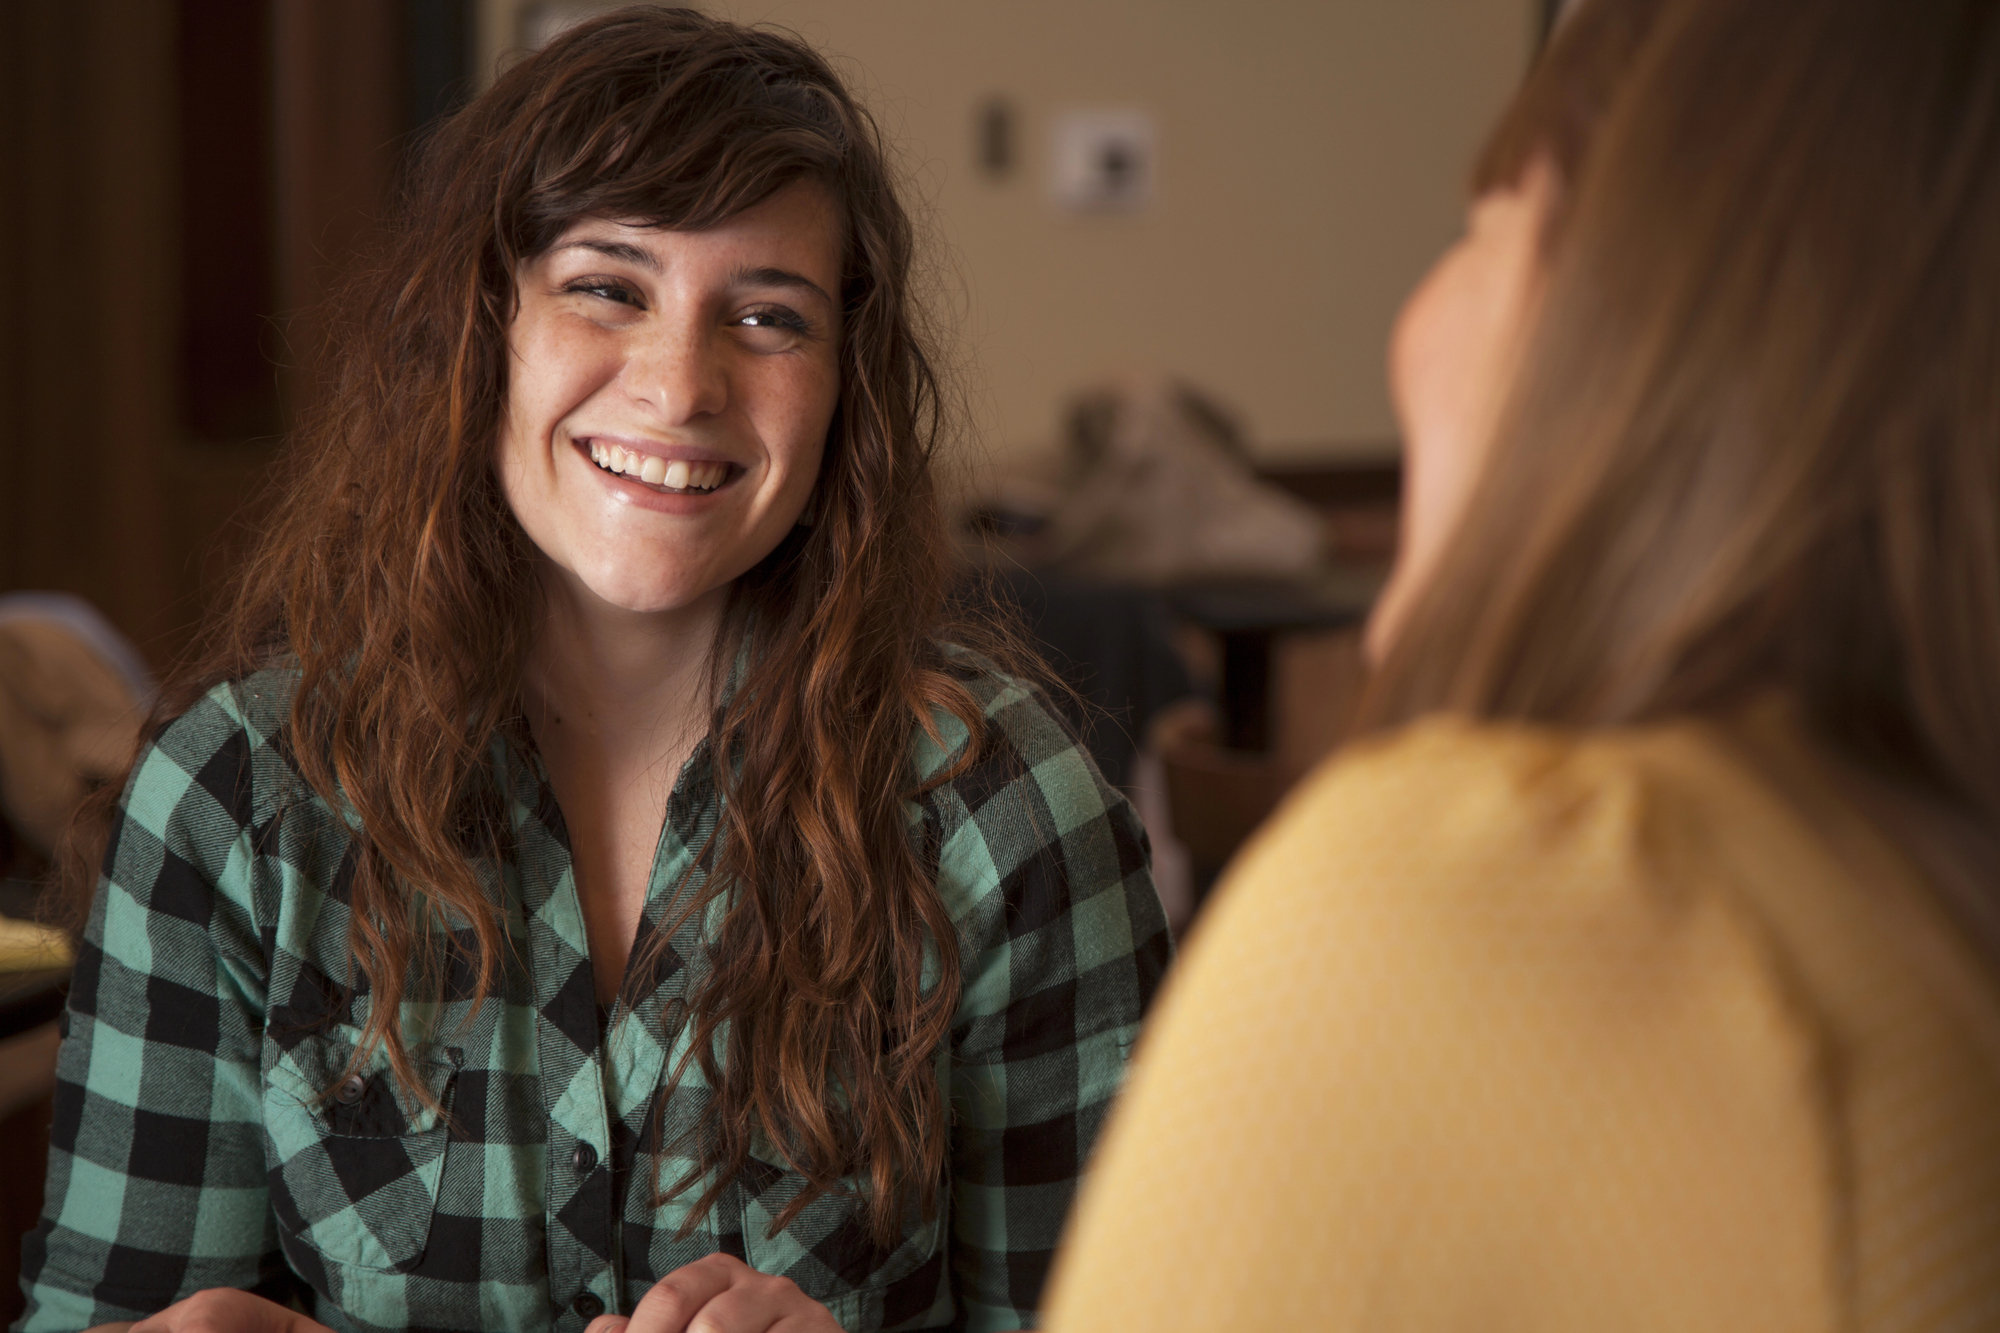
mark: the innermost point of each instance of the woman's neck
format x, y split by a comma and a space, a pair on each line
618, 687
616, 701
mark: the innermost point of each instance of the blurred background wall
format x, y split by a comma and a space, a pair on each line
186, 177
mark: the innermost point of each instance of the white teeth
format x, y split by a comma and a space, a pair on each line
678, 475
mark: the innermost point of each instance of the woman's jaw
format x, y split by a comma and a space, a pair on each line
1453, 360
651, 546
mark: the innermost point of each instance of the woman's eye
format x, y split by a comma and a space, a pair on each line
773, 319
608, 291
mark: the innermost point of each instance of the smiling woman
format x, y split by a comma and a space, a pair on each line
588, 877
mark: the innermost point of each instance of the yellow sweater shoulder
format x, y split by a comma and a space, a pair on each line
1471, 1037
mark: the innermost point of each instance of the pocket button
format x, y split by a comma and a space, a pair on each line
350, 1090
588, 1305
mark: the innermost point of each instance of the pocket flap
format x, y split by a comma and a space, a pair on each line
354, 1158
313, 1073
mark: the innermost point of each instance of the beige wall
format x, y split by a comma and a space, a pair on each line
1311, 160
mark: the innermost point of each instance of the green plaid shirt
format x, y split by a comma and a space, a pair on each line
204, 1136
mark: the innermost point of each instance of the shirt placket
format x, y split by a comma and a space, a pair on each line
581, 1212
644, 1050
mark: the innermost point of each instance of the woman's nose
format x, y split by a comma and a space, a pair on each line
678, 369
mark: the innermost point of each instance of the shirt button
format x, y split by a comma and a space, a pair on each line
583, 1159
350, 1090
587, 1305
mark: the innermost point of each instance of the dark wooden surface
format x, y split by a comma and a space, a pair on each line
186, 181
1338, 485
30, 999
24, 1155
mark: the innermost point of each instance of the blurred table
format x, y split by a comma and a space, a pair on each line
30, 999
31, 992
1247, 616
30, 1002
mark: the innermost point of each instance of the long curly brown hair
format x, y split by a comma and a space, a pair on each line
394, 579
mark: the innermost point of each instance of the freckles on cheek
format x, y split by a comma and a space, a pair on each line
825, 397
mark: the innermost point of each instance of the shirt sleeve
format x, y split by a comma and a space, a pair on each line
1062, 945
156, 1161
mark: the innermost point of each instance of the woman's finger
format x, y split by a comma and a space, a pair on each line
676, 1298
757, 1304
227, 1310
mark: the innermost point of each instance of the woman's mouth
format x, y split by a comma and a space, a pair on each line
678, 476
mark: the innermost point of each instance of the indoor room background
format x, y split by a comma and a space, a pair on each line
186, 177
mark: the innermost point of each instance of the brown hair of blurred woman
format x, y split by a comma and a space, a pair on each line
393, 571
1754, 445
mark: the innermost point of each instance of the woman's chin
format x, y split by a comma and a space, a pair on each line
615, 592
648, 602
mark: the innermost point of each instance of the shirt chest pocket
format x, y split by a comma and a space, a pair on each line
353, 1159
827, 1248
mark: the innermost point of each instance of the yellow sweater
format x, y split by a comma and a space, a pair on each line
1504, 1029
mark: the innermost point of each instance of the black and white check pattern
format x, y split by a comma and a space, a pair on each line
204, 1136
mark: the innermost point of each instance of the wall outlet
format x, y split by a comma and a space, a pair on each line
1103, 161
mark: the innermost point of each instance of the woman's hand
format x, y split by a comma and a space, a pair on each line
721, 1294
221, 1310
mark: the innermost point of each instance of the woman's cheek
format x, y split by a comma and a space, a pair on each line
1427, 374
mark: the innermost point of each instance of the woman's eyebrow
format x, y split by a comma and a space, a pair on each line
777, 277
631, 254
764, 276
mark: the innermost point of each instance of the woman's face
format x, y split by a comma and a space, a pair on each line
669, 394
1452, 361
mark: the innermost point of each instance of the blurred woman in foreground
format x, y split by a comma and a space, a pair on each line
1640, 972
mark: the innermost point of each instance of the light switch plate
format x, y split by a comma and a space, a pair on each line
1104, 161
